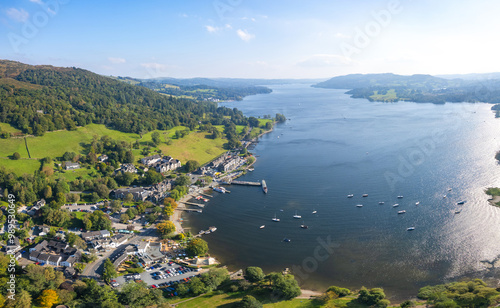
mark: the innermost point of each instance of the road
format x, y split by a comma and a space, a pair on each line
94, 269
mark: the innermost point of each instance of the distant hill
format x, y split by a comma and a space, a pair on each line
474, 76
384, 80
43, 98
417, 88
229, 82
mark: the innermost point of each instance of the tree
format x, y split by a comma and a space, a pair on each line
155, 137
341, 292
170, 202
102, 190
182, 180
197, 247
284, 286
128, 198
48, 298
168, 211
197, 286
191, 165
47, 193
124, 218
16, 156
23, 299
249, 301
139, 295
372, 296
254, 274
253, 122
115, 205
109, 271
166, 228
214, 277
152, 177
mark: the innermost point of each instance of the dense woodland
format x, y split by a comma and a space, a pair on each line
36, 99
204, 92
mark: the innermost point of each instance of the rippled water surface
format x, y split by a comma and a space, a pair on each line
333, 146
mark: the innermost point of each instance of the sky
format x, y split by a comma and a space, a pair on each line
253, 38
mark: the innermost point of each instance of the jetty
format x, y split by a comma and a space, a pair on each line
191, 210
192, 203
247, 183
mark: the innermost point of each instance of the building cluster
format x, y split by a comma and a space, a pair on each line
56, 253
227, 162
145, 251
155, 193
161, 164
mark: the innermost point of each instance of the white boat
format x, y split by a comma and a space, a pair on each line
395, 205
365, 195
461, 202
359, 205
275, 219
400, 197
221, 190
401, 212
458, 212
381, 202
262, 227
444, 196
314, 212
449, 189
417, 203
303, 225
410, 229
350, 196
297, 216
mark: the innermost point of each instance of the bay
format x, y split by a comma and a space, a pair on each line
333, 146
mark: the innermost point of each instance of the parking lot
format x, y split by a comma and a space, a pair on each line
162, 275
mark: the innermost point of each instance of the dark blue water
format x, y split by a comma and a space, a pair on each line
333, 146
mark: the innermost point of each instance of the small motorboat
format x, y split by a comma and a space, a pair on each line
275, 219
417, 203
410, 229
350, 196
400, 197
401, 212
381, 202
296, 216
314, 212
365, 195
461, 202
262, 227
458, 212
395, 205
304, 226
359, 205
286, 240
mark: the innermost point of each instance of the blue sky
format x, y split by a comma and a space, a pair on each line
253, 39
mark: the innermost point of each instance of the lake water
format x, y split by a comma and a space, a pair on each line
333, 146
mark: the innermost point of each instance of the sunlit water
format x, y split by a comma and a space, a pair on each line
333, 146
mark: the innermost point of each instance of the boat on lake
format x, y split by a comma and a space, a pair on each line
314, 212
221, 190
417, 203
365, 195
461, 202
350, 196
410, 229
400, 197
296, 216
264, 186
287, 240
275, 219
401, 212
395, 205
359, 205
458, 212
381, 202
262, 227
304, 226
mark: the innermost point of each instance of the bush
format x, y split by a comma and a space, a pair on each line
341, 292
16, 156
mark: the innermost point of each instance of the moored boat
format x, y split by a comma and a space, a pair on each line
264, 186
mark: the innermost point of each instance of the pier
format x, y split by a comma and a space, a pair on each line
192, 203
190, 210
247, 183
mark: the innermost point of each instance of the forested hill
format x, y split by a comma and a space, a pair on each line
416, 88
36, 99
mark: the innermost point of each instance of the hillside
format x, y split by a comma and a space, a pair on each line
416, 88
36, 99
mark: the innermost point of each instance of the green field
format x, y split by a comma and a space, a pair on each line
195, 146
225, 300
54, 144
21, 166
390, 96
4, 127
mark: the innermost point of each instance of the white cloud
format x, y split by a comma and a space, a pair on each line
228, 26
212, 29
37, 1
18, 15
116, 60
320, 60
244, 35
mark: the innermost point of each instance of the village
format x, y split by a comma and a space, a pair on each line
135, 248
